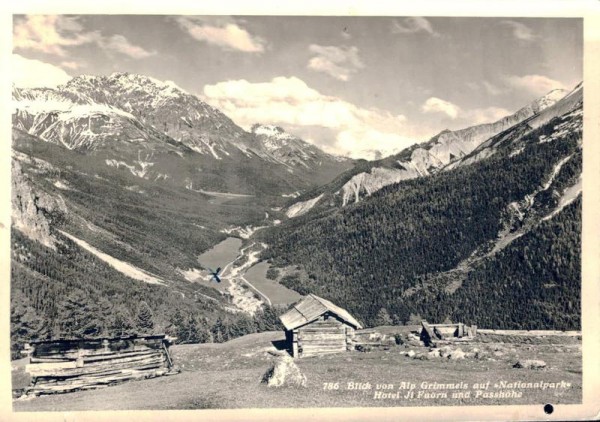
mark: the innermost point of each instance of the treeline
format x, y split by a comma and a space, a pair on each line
367, 255
70, 293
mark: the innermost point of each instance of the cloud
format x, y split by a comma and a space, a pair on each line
120, 44
537, 85
28, 73
223, 33
485, 115
413, 25
534, 84
520, 30
338, 62
489, 87
492, 89
49, 34
53, 34
70, 65
437, 105
289, 102
470, 117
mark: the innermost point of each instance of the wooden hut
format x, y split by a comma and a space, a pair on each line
432, 332
315, 326
60, 366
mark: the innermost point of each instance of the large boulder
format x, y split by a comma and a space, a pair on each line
530, 364
457, 354
445, 351
284, 372
434, 353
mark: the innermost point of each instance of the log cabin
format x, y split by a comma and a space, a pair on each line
61, 366
315, 326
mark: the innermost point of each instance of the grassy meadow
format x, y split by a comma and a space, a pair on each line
228, 375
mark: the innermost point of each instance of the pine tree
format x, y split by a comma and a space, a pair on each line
121, 324
178, 326
414, 319
383, 318
144, 320
196, 331
217, 330
80, 316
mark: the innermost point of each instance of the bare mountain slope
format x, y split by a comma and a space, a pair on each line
422, 159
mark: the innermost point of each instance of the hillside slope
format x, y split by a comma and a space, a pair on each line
228, 375
500, 232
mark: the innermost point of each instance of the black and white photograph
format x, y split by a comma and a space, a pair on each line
270, 211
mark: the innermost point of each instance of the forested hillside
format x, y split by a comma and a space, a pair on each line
494, 243
69, 293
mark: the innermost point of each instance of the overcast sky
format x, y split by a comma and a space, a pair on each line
353, 86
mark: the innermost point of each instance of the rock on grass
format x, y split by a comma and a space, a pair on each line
284, 372
434, 354
445, 351
457, 354
530, 364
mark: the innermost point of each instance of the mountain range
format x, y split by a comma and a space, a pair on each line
119, 182
155, 130
417, 161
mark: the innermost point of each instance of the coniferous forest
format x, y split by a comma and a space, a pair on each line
421, 248
69, 293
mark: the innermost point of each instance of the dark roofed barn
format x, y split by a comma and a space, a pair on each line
315, 326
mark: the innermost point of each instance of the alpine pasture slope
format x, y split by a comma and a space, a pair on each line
228, 376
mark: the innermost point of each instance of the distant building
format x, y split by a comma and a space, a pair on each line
430, 333
315, 326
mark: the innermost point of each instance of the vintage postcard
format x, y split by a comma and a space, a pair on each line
235, 212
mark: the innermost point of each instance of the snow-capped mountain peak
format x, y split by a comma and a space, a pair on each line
290, 149
270, 130
273, 137
549, 99
130, 81
123, 84
158, 131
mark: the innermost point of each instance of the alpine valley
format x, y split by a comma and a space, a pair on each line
120, 183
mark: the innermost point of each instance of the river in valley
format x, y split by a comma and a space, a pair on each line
243, 276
